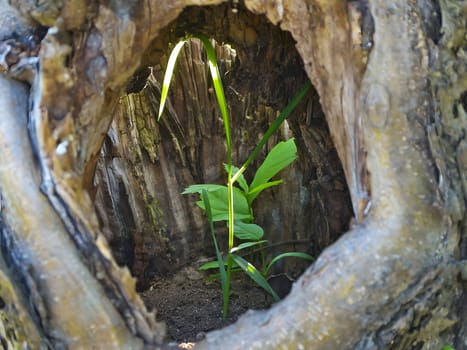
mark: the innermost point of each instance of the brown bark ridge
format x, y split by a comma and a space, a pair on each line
397, 112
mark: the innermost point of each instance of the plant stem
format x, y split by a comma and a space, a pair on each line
231, 235
218, 88
263, 258
227, 286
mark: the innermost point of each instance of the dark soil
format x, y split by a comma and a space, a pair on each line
191, 305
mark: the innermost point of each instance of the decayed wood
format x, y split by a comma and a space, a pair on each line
392, 282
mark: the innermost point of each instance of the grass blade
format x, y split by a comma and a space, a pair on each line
225, 282
213, 265
219, 89
215, 276
210, 265
273, 127
255, 275
286, 255
247, 245
168, 75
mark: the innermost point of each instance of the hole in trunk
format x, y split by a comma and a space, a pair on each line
161, 235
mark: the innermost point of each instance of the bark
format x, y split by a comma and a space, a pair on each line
36, 265
392, 83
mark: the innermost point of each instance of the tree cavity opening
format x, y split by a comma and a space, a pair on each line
144, 165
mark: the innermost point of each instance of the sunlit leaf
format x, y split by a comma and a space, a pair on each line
247, 245
281, 155
255, 275
277, 159
218, 195
168, 75
218, 88
220, 207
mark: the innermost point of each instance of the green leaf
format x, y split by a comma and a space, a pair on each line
205, 198
247, 231
211, 265
168, 75
198, 188
255, 275
218, 196
220, 207
246, 245
262, 187
218, 88
277, 159
214, 265
448, 347
234, 269
286, 255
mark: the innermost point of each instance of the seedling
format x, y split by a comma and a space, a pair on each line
245, 230
231, 203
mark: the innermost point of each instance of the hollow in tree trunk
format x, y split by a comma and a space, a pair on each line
83, 164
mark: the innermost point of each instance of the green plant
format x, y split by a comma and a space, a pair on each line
231, 203
448, 347
245, 230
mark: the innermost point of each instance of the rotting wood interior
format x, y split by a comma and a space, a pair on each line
144, 165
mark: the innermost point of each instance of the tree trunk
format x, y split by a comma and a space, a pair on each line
87, 171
